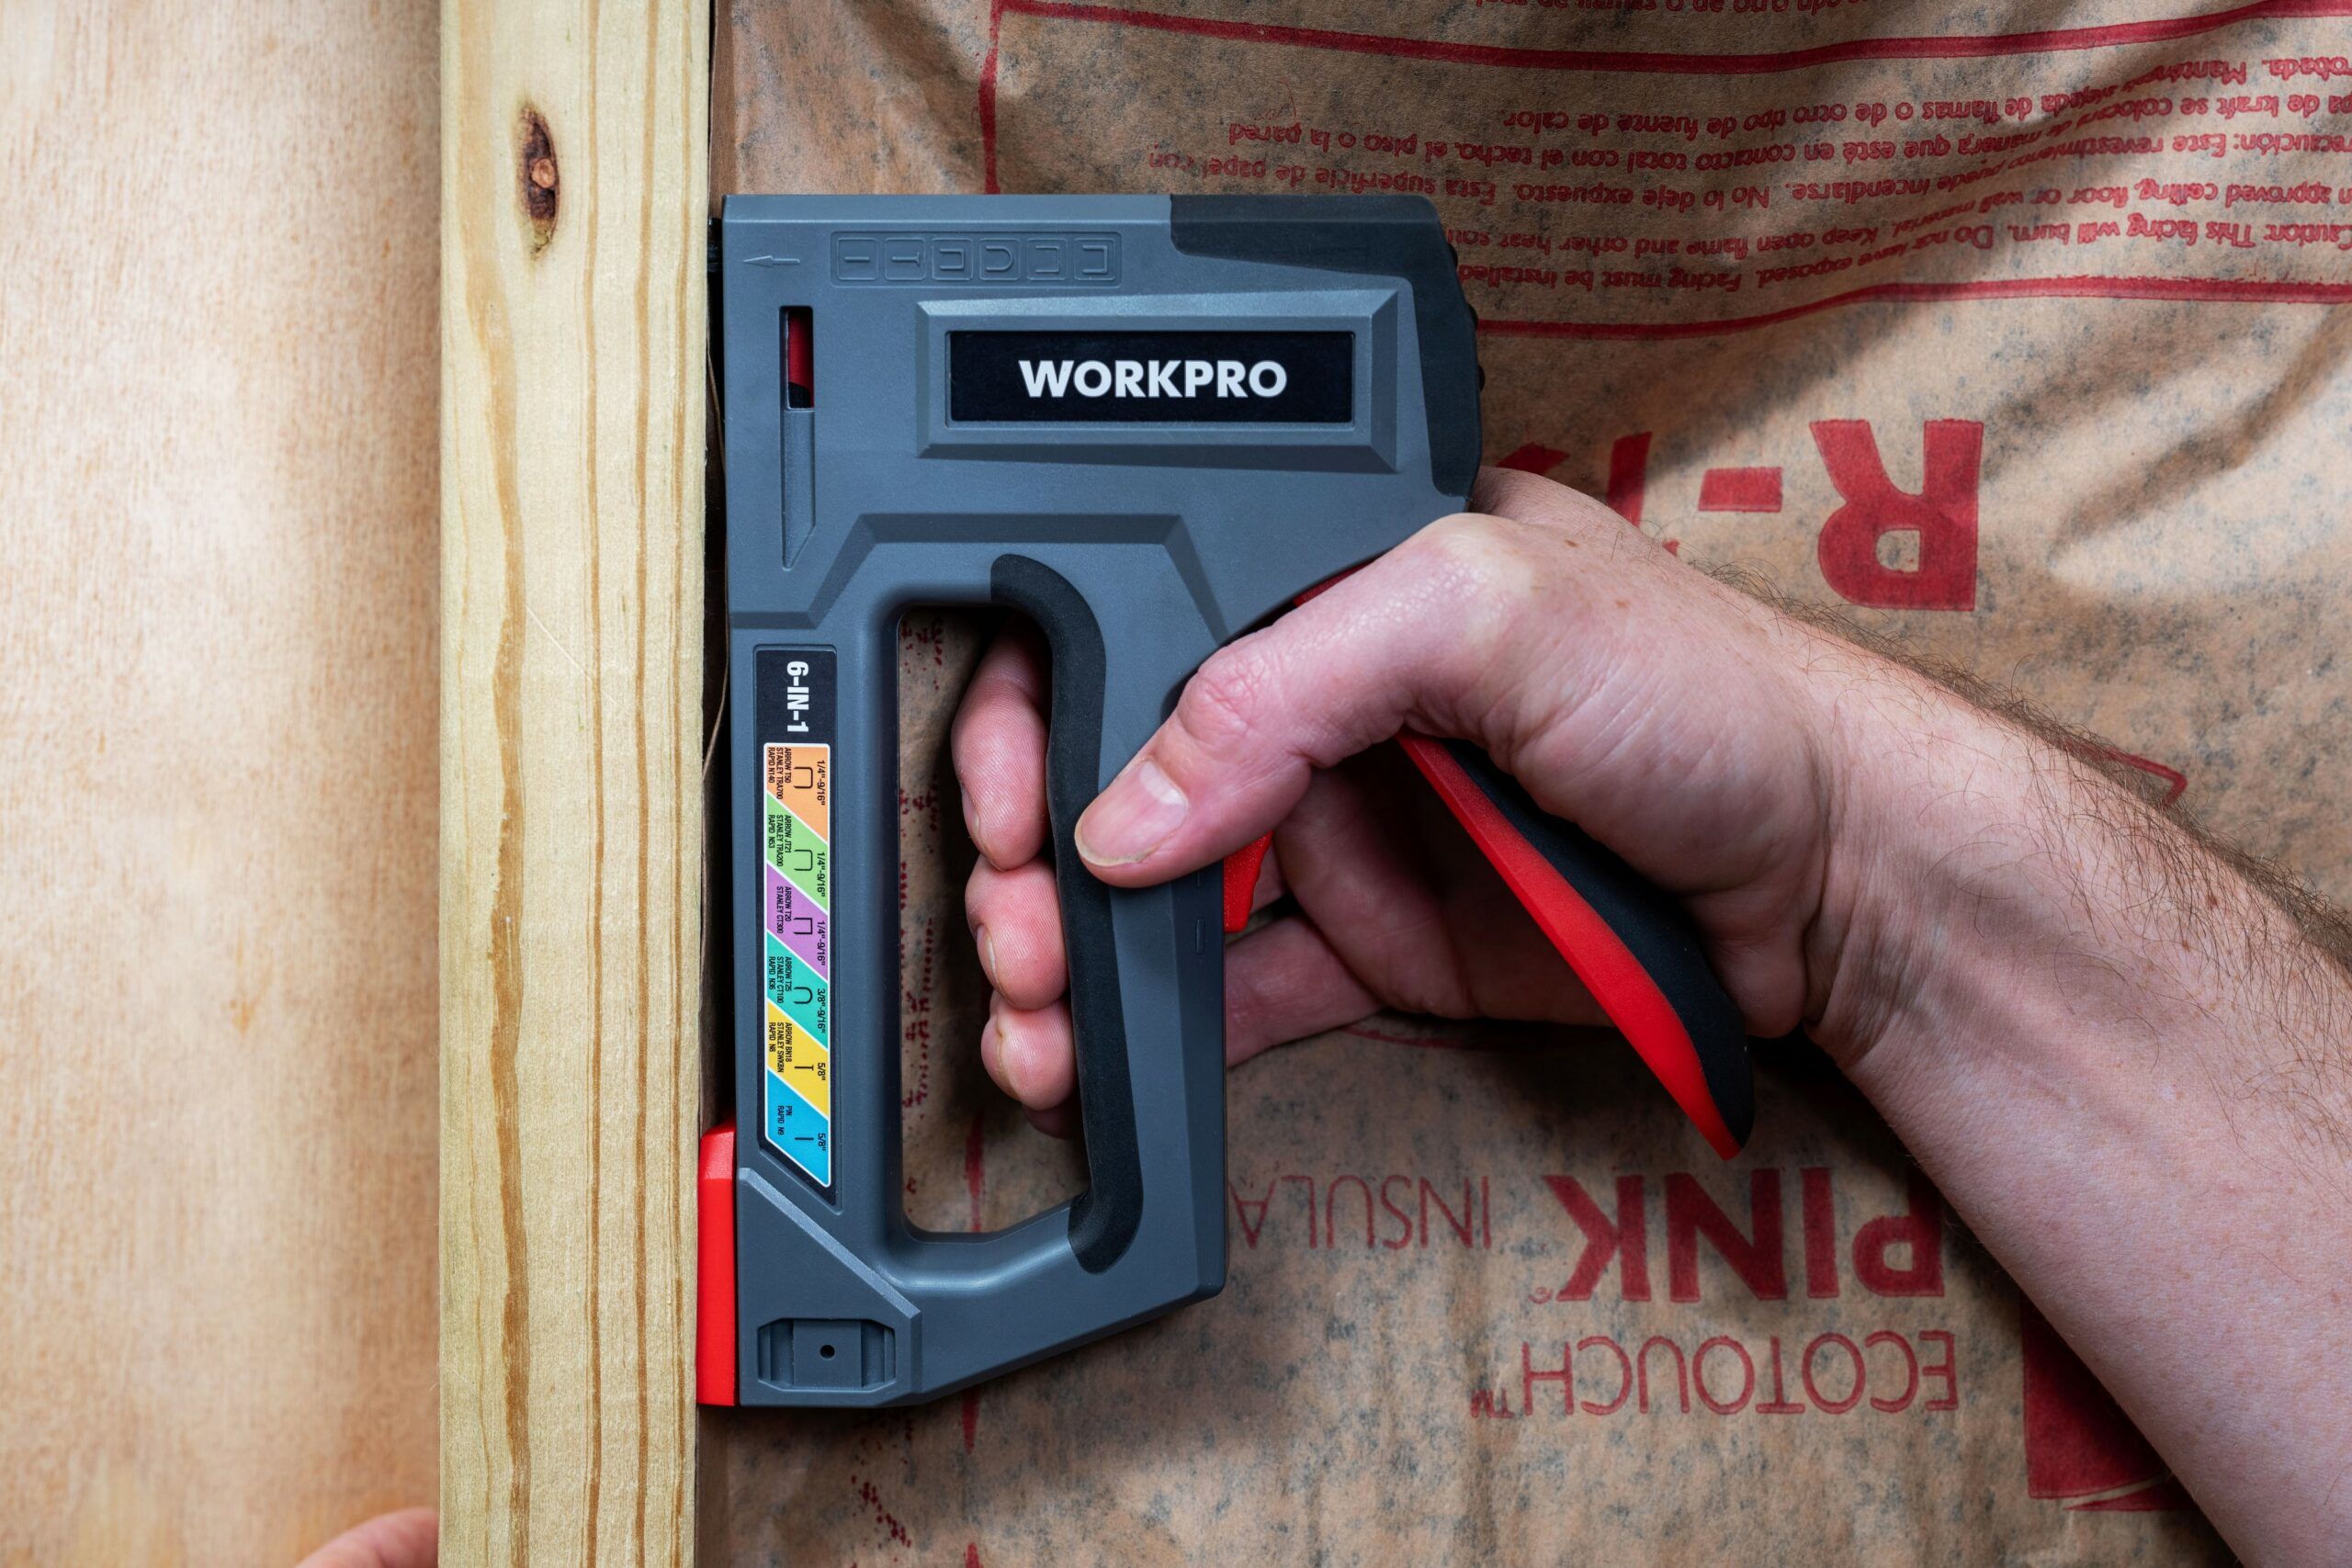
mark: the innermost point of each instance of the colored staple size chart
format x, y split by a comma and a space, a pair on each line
798, 942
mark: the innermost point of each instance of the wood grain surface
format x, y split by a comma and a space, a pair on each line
216, 659
573, 329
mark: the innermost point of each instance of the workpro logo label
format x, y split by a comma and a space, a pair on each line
1219, 377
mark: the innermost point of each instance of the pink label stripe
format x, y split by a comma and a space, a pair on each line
794, 919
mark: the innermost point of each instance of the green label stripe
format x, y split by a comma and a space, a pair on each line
802, 994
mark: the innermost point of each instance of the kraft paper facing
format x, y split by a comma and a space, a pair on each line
2013, 328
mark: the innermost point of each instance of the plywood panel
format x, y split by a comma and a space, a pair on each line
217, 660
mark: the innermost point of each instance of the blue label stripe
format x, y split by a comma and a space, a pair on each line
800, 1130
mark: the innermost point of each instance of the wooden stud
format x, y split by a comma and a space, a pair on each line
573, 177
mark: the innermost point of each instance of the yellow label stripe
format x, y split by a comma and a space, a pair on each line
795, 1056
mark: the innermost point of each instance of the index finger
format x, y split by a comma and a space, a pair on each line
1447, 633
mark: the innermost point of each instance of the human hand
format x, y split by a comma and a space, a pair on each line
407, 1538
1627, 692
2117, 1049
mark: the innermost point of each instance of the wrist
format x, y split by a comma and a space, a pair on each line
1962, 861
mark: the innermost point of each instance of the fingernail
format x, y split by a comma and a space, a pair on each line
992, 1045
972, 824
987, 953
1004, 1054
1131, 818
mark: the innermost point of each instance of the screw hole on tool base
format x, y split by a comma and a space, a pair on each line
826, 1353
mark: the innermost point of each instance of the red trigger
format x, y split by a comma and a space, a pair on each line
1241, 880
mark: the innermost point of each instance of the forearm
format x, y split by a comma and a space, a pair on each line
2122, 1063
2126, 1065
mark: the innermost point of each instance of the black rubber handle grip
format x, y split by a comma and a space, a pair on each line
1104, 1218
1634, 947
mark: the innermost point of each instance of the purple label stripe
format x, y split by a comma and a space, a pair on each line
794, 919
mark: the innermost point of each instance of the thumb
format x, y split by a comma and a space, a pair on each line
1437, 634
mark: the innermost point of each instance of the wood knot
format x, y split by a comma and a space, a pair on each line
540, 181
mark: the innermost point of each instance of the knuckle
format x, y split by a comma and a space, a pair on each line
1222, 702
1466, 544
1493, 582
1479, 559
